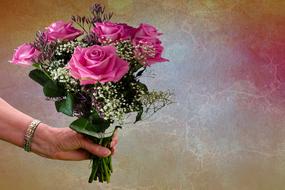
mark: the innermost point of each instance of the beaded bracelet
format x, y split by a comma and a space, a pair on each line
29, 134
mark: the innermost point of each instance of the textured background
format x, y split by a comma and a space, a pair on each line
226, 130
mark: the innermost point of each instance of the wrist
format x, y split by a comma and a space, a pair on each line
29, 134
43, 140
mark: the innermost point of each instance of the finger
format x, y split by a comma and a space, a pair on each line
115, 139
114, 143
95, 148
115, 134
75, 155
113, 150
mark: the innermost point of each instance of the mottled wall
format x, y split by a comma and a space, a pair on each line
226, 130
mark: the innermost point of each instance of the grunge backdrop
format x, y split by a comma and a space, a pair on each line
226, 130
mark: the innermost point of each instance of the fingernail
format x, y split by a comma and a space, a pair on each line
106, 151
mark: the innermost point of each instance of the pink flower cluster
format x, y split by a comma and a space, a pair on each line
27, 54
99, 63
144, 34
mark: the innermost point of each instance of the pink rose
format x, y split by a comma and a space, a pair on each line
149, 53
25, 54
158, 50
112, 31
147, 44
62, 31
97, 64
146, 32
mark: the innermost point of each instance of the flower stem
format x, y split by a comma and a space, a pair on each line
101, 167
94, 169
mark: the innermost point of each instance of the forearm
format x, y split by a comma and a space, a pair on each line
13, 127
13, 124
57, 143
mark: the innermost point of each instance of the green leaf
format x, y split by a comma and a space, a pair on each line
51, 89
143, 86
100, 123
84, 126
39, 76
37, 65
139, 115
66, 106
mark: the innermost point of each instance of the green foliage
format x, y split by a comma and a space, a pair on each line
99, 123
91, 126
142, 86
51, 89
39, 76
84, 126
66, 106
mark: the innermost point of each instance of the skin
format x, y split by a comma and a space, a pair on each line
49, 142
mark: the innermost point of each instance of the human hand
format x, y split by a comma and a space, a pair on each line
66, 144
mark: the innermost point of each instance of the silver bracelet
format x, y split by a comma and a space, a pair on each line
29, 134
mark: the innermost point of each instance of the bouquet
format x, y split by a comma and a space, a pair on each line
91, 68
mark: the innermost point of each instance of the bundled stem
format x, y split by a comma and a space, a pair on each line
101, 167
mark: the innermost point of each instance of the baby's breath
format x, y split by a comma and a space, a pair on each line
115, 100
53, 65
143, 51
62, 75
125, 50
155, 100
68, 47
